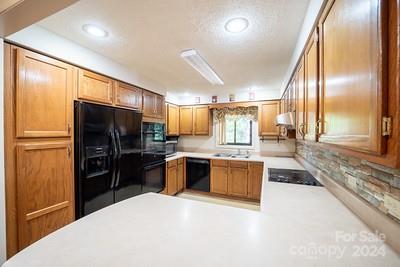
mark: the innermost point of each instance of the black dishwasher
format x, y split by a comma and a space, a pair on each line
198, 174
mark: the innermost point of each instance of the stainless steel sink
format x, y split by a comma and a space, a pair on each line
223, 155
240, 156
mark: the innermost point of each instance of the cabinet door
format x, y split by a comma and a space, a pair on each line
128, 96
219, 177
180, 177
238, 182
256, 171
352, 99
172, 179
311, 90
43, 96
159, 107
267, 119
201, 120
94, 87
45, 189
172, 120
300, 126
186, 120
149, 103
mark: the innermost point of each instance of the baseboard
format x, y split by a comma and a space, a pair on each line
374, 219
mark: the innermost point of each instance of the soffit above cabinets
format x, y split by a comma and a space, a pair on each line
148, 37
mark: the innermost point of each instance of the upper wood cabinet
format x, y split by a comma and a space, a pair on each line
43, 96
352, 81
128, 96
153, 105
45, 189
311, 88
300, 98
95, 87
186, 120
172, 120
267, 119
201, 116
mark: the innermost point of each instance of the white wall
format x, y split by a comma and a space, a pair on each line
312, 12
2, 187
50, 43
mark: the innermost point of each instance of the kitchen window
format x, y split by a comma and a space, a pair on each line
238, 130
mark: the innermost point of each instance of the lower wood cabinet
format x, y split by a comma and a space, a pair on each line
236, 178
175, 177
45, 198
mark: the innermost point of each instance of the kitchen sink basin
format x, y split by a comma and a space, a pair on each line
223, 155
240, 156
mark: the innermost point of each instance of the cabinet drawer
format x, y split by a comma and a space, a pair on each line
171, 163
238, 164
219, 163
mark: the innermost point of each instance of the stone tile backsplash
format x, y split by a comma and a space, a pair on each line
377, 184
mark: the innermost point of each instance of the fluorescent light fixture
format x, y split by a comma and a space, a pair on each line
94, 30
193, 58
237, 25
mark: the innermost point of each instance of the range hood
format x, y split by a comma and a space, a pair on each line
285, 119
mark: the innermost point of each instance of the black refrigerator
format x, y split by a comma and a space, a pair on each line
108, 156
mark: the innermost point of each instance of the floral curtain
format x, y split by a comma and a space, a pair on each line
250, 112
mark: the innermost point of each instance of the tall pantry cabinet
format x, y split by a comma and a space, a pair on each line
39, 137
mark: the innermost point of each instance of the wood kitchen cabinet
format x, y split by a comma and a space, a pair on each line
256, 171
219, 176
311, 88
43, 96
172, 120
175, 176
352, 62
45, 189
153, 105
186, 120
300, 98
267, 119
128, 96
238, 178
201, 116
95, 87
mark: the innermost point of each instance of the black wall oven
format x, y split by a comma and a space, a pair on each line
153, 157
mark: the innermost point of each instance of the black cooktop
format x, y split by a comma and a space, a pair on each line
292, 177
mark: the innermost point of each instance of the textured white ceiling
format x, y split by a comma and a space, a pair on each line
148, 37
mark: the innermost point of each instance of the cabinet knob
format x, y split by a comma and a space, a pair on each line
69, 128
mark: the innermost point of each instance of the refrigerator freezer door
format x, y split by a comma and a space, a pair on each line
94, 157
128, 129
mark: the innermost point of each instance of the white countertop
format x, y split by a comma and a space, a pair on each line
156, 230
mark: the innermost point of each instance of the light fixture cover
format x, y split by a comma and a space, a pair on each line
193, 58
94, 30
236, 25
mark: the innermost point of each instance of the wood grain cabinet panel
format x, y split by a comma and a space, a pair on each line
311, 88
267, 119
351, 62
153, 105
300, 98
172, 178
256, 171
43, 96
45, 189
94, 87
201, 116
159, 107
186, 120
172, 120
219, 177
180, 176
238, 181
128, 96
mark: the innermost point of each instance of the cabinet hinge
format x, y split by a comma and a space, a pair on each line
386, 126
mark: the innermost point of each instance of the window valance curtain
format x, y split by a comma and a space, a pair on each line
249, 112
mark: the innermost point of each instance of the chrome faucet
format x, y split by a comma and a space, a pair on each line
238, 151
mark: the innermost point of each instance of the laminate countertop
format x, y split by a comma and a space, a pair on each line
297, 226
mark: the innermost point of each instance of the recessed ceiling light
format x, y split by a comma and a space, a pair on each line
236, 25
94, 30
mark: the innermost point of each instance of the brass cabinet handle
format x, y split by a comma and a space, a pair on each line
69, 151
301, 130
69, 128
